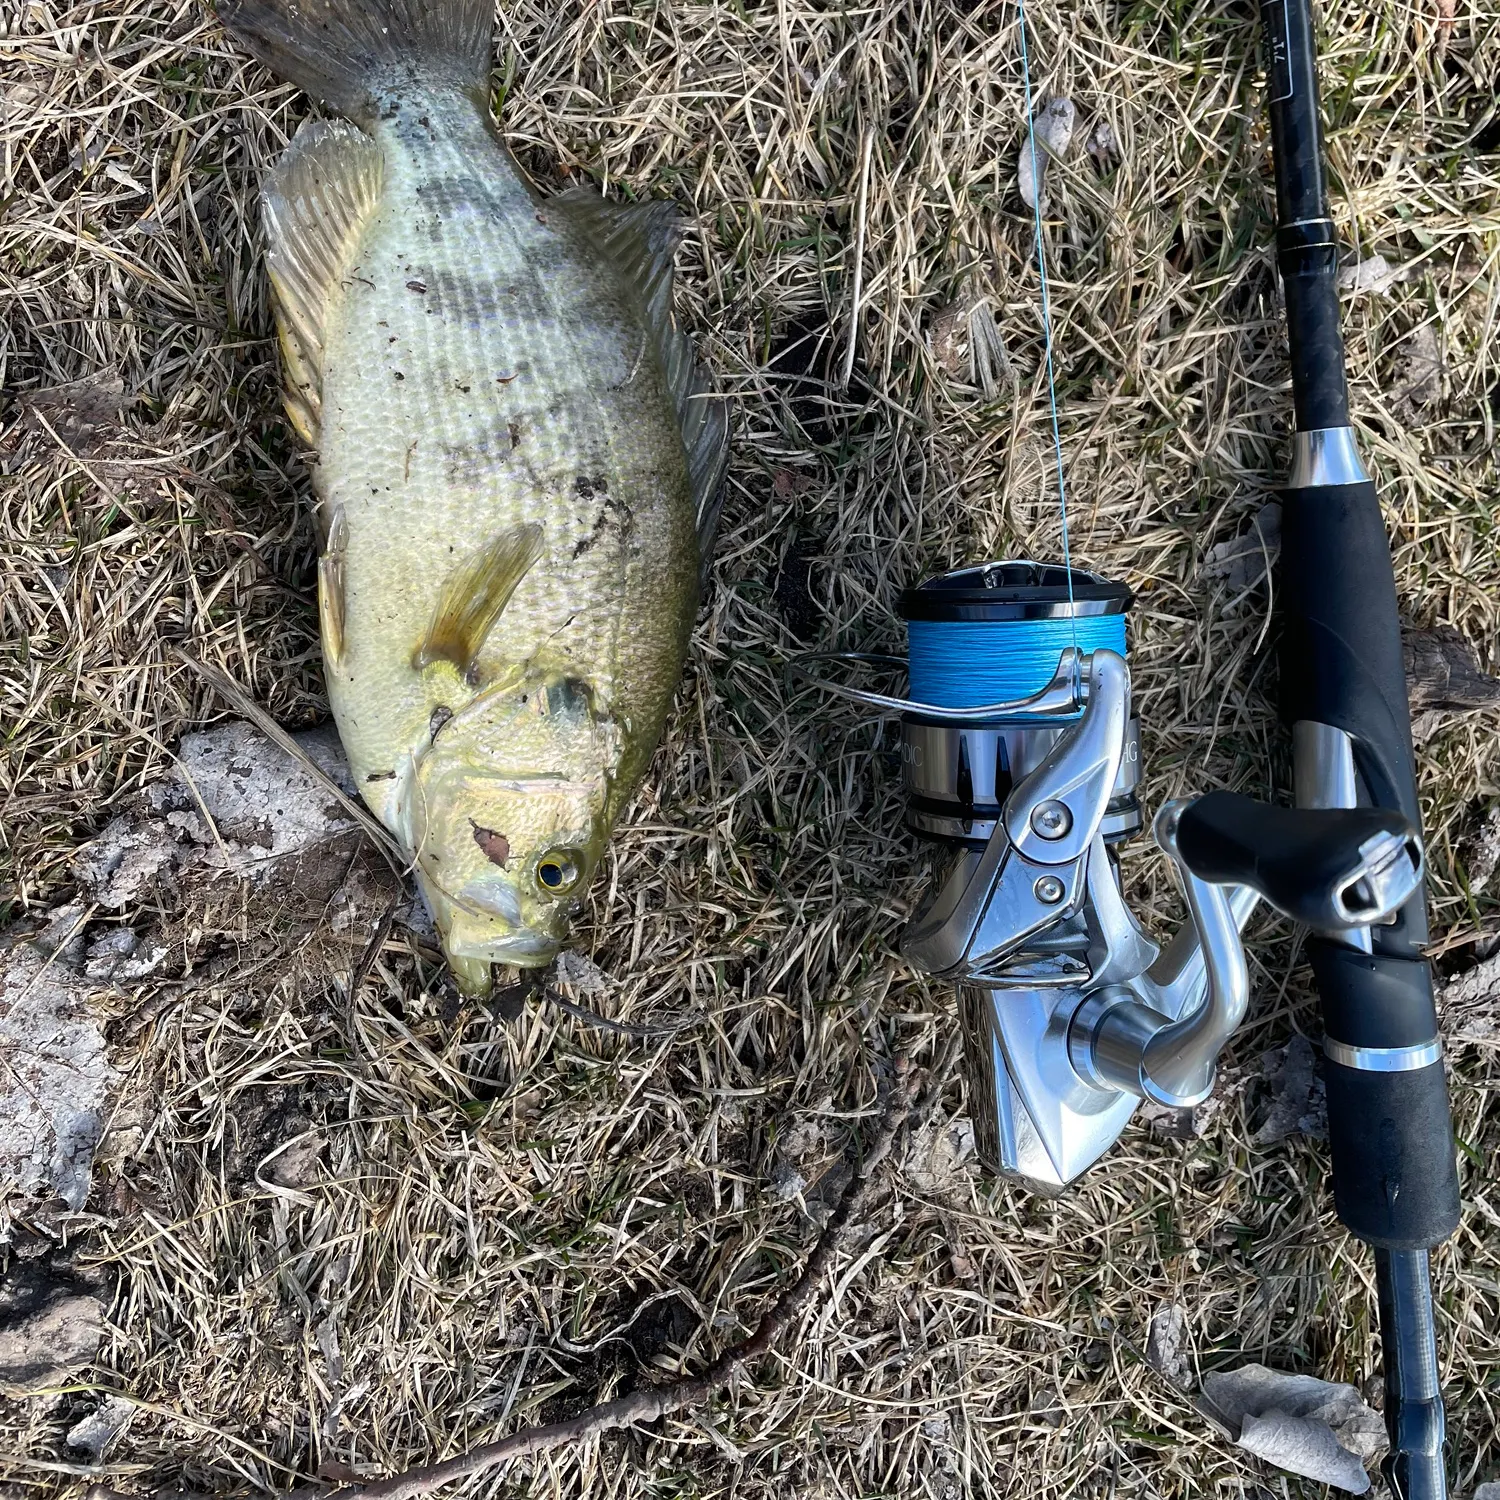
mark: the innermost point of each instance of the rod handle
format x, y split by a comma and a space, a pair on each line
1395, 1166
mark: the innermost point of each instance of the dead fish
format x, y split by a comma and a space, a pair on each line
516, 464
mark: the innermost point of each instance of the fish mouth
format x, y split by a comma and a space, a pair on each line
479, 932
526, 950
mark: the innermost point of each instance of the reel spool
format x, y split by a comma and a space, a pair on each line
994, 633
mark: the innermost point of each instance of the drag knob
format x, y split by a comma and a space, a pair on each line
1331, 868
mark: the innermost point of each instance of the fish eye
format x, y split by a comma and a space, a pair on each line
558, 871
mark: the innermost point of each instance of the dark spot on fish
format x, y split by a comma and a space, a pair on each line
466, 462
463, 388
399, 375
515, 435
496, 846
416, 286
571, 696
612, 508
440, 716
381, 776
589, 487
392, 339
476, 299
423, 120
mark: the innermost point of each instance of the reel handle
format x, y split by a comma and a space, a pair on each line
1332, 868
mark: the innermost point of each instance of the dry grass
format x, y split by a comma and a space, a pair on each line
497, 1200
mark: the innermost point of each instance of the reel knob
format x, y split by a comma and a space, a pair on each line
1332, 868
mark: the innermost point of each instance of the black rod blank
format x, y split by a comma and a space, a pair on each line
1306, 241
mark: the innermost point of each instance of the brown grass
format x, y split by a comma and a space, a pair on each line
497, 1202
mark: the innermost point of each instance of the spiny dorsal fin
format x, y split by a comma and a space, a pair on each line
318, 198
639, 239
474, 596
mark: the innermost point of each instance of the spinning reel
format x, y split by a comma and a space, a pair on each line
1021, 759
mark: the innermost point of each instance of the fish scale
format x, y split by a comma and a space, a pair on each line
512, 453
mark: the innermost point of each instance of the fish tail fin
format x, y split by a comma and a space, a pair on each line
349, 53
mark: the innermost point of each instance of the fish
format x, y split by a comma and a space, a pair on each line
517, 464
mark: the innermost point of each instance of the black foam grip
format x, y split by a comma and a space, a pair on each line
1341, 660
1395, 1182
1373, 999
1395, 1175
1298, 858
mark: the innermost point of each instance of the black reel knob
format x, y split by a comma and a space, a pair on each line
1332, 868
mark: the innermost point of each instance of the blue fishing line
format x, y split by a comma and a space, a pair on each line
968, 663
1041, 266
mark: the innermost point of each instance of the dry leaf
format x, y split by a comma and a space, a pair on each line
1373, 274
1316, 1428
1053, 130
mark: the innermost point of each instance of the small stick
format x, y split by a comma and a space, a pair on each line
641, 1031
663, 1400
228, 689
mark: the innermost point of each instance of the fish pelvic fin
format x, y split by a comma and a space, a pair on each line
315, 204
474, 597
639, 240
331, 609
352, 53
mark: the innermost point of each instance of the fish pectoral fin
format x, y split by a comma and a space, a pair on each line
639, 239
315, 203
474, 597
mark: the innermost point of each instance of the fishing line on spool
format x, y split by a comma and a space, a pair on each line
965, 663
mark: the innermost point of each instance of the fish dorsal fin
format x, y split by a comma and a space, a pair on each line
474, 596
315, 202
638, 239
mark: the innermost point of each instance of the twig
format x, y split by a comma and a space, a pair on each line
228, 689
663, 1400
376, 943
640, 1030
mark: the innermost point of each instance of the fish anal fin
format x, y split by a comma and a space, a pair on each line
474, 597
315, 203
639, 240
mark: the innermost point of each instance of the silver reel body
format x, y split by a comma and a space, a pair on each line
1073, 1013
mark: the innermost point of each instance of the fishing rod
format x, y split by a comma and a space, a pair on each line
1021, 760
1343, 693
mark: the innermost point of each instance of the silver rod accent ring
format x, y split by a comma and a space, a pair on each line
1383, 1059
